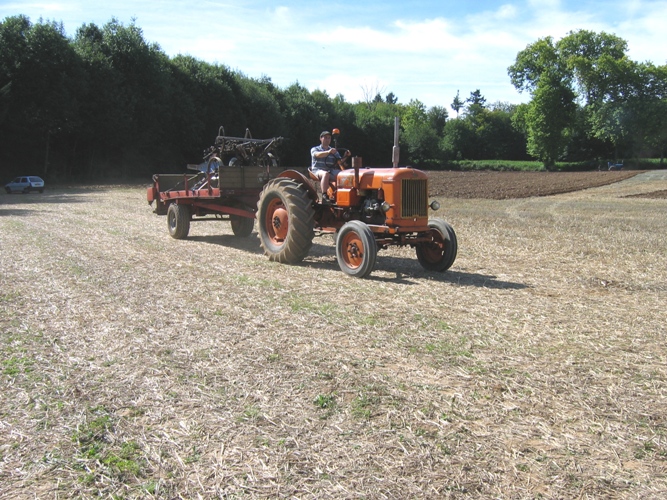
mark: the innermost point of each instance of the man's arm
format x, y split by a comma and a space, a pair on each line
324, 154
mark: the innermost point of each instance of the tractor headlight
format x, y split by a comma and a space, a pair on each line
385, 207
435, 205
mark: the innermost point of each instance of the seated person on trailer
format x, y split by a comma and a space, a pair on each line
325, 163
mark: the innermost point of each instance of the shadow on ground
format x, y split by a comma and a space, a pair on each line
404, 270
34, 198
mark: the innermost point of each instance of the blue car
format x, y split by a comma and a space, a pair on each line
25, 185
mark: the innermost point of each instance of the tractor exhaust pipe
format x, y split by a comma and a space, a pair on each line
396, 151
356, 165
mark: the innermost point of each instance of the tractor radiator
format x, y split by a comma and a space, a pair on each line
414, 198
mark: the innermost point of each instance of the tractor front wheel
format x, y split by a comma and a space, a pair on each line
439, 253
356, 249
285, 221
178, 220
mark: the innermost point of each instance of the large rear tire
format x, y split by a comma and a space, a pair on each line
440, 253
285, 220
356, 249
178, 221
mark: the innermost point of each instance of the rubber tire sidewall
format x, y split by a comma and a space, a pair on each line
300, 221
448, 235
242, 226
178, 221
370, 249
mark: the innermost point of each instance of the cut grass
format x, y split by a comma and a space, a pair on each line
134, 365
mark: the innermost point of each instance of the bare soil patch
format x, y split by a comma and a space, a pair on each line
504, 185
137, 366
653, 194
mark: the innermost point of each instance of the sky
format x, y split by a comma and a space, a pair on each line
426, 50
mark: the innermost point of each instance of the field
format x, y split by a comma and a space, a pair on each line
133, 365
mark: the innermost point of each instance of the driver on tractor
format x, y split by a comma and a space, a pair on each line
325, 163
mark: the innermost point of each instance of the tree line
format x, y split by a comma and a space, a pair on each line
108, 103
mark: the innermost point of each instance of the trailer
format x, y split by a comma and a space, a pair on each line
224, 187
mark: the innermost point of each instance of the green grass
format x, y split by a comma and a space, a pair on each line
13, 366
361, 407
325, 401
496, 165
120, 460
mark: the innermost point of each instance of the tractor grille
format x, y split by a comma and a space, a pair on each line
414, 199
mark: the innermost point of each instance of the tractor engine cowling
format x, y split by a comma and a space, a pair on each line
404, 191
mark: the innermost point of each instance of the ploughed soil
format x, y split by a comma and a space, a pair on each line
506, 185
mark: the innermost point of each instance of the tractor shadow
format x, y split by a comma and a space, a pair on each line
408, 271
249, 244
388, 269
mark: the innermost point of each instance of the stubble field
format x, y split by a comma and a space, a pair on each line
139, 366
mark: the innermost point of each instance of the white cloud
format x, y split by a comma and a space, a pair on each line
646, 34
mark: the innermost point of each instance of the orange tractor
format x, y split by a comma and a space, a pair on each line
373, 208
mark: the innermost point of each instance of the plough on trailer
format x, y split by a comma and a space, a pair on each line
226, 186
372, 208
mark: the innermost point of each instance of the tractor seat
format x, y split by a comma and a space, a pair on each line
315, 178
332, 183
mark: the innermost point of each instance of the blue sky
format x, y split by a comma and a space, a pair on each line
418, 49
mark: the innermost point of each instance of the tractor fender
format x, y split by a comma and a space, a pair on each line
297, 176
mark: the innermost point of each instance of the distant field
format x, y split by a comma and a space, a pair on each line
536, 166
503, 185
138, 366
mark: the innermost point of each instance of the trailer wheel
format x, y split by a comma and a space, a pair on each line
285, 220
356, 249
242, 226
178, 220
438, 254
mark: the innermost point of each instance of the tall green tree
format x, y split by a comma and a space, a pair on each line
42, 70
459, 141
420, 136
546, 120
540, 70
129, 97
476, 99
457, 104
599, 69
305, 120
498, 136
620, 96
626, 103
377, 131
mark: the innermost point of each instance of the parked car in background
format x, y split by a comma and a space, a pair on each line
25, 185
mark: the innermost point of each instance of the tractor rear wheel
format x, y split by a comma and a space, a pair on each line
178, 220
242, 226
356, 249
439, 253
285, 221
